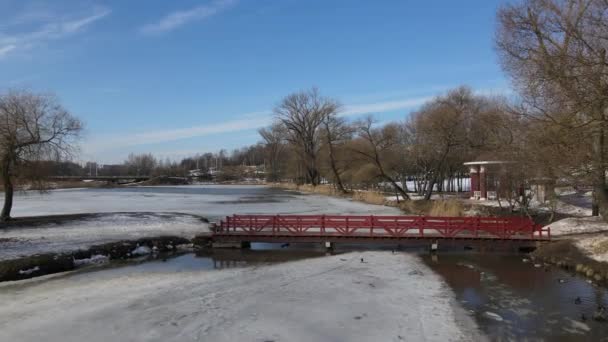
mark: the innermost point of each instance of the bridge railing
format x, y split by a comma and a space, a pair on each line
382, 226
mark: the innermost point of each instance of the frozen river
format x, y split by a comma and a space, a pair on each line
361, 296
211, 201
139, 212
257, 296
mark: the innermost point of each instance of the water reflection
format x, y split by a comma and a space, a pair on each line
513, 300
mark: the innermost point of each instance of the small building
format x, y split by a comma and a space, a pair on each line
485, 178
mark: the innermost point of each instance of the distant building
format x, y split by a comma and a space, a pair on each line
486, 178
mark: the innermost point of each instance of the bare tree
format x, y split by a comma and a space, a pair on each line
380, 147
441, 133
302, 114
335, 132
141, 164
34, 127
555, 52
274, 139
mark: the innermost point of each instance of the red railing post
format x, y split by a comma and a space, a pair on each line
323, 224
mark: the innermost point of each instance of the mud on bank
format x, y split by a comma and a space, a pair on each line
565, 254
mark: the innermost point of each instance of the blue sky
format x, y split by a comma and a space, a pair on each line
179, 77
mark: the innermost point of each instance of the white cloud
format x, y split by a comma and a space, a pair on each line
247, 122
180, 18
76, 25
6, 49
386, 106
51, 29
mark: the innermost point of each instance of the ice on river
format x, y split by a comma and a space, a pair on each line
152, 211
335, 298
211, 201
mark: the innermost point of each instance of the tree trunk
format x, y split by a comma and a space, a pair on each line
397, 187
8, 192
429, 189
334, 168
600, 193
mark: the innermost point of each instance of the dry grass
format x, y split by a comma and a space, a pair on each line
451, 208
416, 207
370, 197
445, 208
326, 190
601, 247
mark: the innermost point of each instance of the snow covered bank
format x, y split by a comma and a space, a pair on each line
578, 225
94, 230
595, 247
585, 235
388, 297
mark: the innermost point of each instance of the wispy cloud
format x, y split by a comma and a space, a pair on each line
6, 49
386, 106
177, 19
245, 122
47, 29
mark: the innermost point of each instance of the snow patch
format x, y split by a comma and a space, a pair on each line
141, 250
578, 225
29, 270
493, 316
94, 259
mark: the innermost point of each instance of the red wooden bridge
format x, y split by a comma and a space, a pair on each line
334, 228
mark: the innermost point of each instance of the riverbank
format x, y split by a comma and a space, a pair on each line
439, 206
387, 297
580, 245
36, 246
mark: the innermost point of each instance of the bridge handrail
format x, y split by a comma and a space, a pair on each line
379, 226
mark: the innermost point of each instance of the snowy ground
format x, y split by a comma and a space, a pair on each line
595, 246
99, 229
389, 297
571, 203
578, 225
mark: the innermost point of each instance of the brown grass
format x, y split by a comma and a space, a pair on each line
370, 197
445, 208
416, 207
327, 190
449, 208
601, 247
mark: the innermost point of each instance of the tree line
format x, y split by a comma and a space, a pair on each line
310, 142
553, 51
